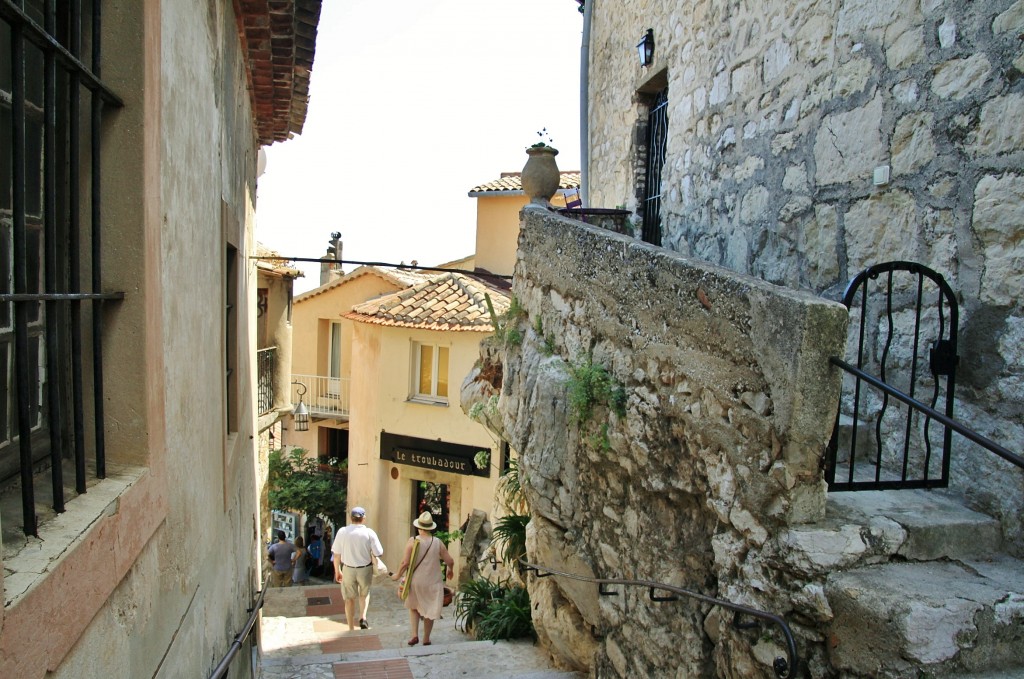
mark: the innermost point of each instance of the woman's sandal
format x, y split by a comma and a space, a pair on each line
414, 641
426, 643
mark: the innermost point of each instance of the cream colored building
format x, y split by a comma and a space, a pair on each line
380, 355
147, 403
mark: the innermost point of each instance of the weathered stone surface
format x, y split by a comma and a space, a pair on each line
912, 144
882, 228
848, 145
728, 403
957, 78
1001, 127
999, 224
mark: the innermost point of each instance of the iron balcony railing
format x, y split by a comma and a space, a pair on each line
783, 667
266, 367
325, 397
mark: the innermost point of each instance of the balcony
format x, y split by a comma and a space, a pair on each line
325, 397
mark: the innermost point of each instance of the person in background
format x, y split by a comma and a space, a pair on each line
426, 590
280, 553
356, 549
316, 552
299, 557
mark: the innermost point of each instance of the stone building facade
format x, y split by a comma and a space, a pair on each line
807, 141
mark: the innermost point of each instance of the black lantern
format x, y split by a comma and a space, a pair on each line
645, 48
300, 415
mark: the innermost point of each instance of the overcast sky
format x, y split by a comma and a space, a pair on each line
412, 104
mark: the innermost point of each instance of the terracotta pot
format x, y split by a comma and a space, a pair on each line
540, 175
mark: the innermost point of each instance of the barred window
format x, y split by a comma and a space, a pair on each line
51, 107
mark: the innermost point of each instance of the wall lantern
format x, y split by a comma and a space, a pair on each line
645, 48
300, 415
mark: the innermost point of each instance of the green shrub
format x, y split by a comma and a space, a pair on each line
508, 617
589, 385
473, 600
493, 610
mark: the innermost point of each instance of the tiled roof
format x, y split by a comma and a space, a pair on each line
279, 40
511, 182
451, 301
278, 266
401, 277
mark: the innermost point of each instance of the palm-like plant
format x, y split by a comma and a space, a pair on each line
509, 535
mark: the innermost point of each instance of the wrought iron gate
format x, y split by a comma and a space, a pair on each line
906, 318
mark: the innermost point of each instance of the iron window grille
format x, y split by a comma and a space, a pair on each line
657, 139
51, 287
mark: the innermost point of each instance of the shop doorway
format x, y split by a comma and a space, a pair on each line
433, 498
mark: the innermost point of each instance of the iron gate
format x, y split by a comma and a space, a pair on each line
906, 317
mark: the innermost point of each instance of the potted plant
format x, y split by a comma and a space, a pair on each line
540, 176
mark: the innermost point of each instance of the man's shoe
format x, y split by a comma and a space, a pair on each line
363, 624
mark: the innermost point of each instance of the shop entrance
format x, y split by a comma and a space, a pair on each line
433, 498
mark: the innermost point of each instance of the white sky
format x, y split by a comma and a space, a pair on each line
412, 104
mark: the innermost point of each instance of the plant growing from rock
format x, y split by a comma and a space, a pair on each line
590, 386
508, 616
505, 327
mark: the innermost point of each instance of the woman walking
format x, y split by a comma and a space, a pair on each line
299, 573
426, 582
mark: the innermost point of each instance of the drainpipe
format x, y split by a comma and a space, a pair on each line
588, 12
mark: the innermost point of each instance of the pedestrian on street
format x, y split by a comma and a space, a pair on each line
314, 565
299, 572
426, 583
280, 554
356, 551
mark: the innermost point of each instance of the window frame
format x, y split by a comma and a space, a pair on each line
417, 377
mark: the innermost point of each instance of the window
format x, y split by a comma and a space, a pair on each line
231, 338
51, 276
430, 373
334, 361
657, 136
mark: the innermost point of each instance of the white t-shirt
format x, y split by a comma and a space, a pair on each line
354, 544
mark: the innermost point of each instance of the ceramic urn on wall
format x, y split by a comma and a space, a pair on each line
540, 174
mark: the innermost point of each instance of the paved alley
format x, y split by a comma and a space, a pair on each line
304, 636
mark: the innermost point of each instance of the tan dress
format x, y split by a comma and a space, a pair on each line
427, 591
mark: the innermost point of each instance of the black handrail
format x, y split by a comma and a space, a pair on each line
783, 668
221, 669
970, 434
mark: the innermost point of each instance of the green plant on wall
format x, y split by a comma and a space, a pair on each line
505, 327
590, 386
548, 346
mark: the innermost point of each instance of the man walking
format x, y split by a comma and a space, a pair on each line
280, 554
356, 552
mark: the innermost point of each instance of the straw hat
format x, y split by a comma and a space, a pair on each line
425, 522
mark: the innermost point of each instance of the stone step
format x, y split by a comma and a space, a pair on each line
947, 618
937, 525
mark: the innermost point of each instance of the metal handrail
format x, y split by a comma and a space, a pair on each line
970, 434
783, 667
222, 667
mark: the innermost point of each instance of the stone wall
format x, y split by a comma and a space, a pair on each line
780, 113
713, 446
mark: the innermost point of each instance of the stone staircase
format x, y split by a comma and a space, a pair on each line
303, 636
919, 587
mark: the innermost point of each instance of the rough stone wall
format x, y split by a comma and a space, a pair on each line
779, 115
715, 447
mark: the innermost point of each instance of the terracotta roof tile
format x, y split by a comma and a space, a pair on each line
450, 301
511, 182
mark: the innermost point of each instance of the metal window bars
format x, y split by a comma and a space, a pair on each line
61, 373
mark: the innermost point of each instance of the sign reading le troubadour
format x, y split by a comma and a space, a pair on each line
440, 455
